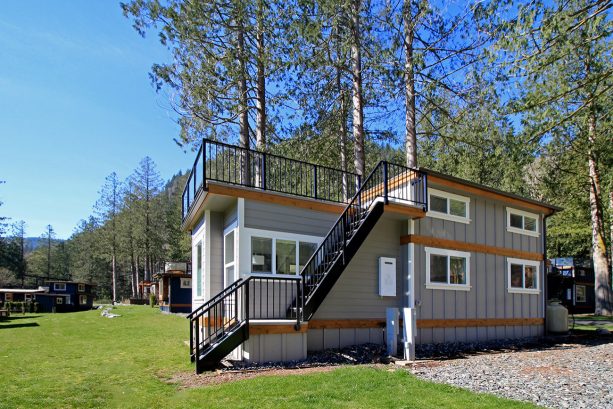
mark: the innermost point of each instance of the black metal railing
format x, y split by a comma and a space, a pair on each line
386, 182
264, 297
231, 164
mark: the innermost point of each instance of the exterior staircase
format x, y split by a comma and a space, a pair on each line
222, 324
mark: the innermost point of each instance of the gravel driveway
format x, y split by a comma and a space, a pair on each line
577, 374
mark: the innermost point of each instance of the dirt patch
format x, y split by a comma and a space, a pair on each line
187, 380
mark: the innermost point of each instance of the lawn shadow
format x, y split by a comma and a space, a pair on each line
29, 324
21, 317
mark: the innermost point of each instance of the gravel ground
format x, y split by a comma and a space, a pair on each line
577, 373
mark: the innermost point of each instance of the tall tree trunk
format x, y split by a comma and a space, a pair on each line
243, 119
611, 228
260, 135
357, 97
114, 279
134, 275
409, 86
342, 129
604, 294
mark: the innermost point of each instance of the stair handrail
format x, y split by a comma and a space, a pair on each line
199, 311
342, 219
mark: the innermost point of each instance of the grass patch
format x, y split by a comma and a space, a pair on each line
82, 360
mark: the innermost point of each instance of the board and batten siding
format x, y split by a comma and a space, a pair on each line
287, 219
488, 296
356, 293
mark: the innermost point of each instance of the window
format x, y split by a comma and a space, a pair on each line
82, 299
447, 269
580, 293
449, 206
81, 288
8, 297
198, 269
59, 286
523, 276
59, 300
27, 297
261, 255
186, 283
280, 255
229, 257
522, 222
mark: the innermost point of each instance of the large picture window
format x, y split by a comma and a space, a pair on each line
59, 286
522, 222
523, 276
447, 269
279, 255
449, 206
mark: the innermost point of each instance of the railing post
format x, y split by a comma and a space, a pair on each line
385, 198
194, 178
191, 337
424, 182
263, 171
197, 349
203, 164
315, 181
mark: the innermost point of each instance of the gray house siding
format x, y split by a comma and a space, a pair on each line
230, 215
270, 216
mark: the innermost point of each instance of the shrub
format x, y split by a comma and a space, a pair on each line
152, 300
35, 306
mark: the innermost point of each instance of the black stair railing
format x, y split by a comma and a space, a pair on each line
262, 297
387, 182
231, 164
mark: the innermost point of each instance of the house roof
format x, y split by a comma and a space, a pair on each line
448, 180
68, 282
21, 290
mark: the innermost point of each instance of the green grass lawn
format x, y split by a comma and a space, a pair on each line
83, 360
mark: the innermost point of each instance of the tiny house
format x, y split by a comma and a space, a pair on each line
571, 280
66, 296
174, 287
292, 257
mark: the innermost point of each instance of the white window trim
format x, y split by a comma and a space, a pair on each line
186, 286
81, 288
584, 293
453, 253
56, 287
233, 228
198, 295
447, 216
511, 229
82, 299
275, 235
537, 277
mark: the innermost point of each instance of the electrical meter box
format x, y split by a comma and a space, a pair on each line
387, 276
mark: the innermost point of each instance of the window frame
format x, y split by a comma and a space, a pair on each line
232, 229
198, 270
524, 263
184, 280
56, 287
523, 214
448, 216
59, 300
584, 297
82, 299
448, 253
274, 236
8, 297
81, 288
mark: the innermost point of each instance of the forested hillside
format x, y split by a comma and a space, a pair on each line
135, 223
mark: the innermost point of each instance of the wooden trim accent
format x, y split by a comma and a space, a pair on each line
489, 194
474, 247
274, 197
263, 329
441, 323
178, 305
353, 323
406, 210
480, 322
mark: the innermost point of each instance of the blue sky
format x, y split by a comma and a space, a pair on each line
75, 105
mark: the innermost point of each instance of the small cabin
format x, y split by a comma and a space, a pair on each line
18, 295
571, 280
174, 287
66, 296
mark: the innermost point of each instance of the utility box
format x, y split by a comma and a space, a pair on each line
387, 276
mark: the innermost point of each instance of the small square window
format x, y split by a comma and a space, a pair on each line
448, 206
519, 221
186, 283
580, 293
59, 300
8, 297
59, 286
523, 276
81, 288
82, 299
447, 269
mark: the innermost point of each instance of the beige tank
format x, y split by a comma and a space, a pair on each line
557, 317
